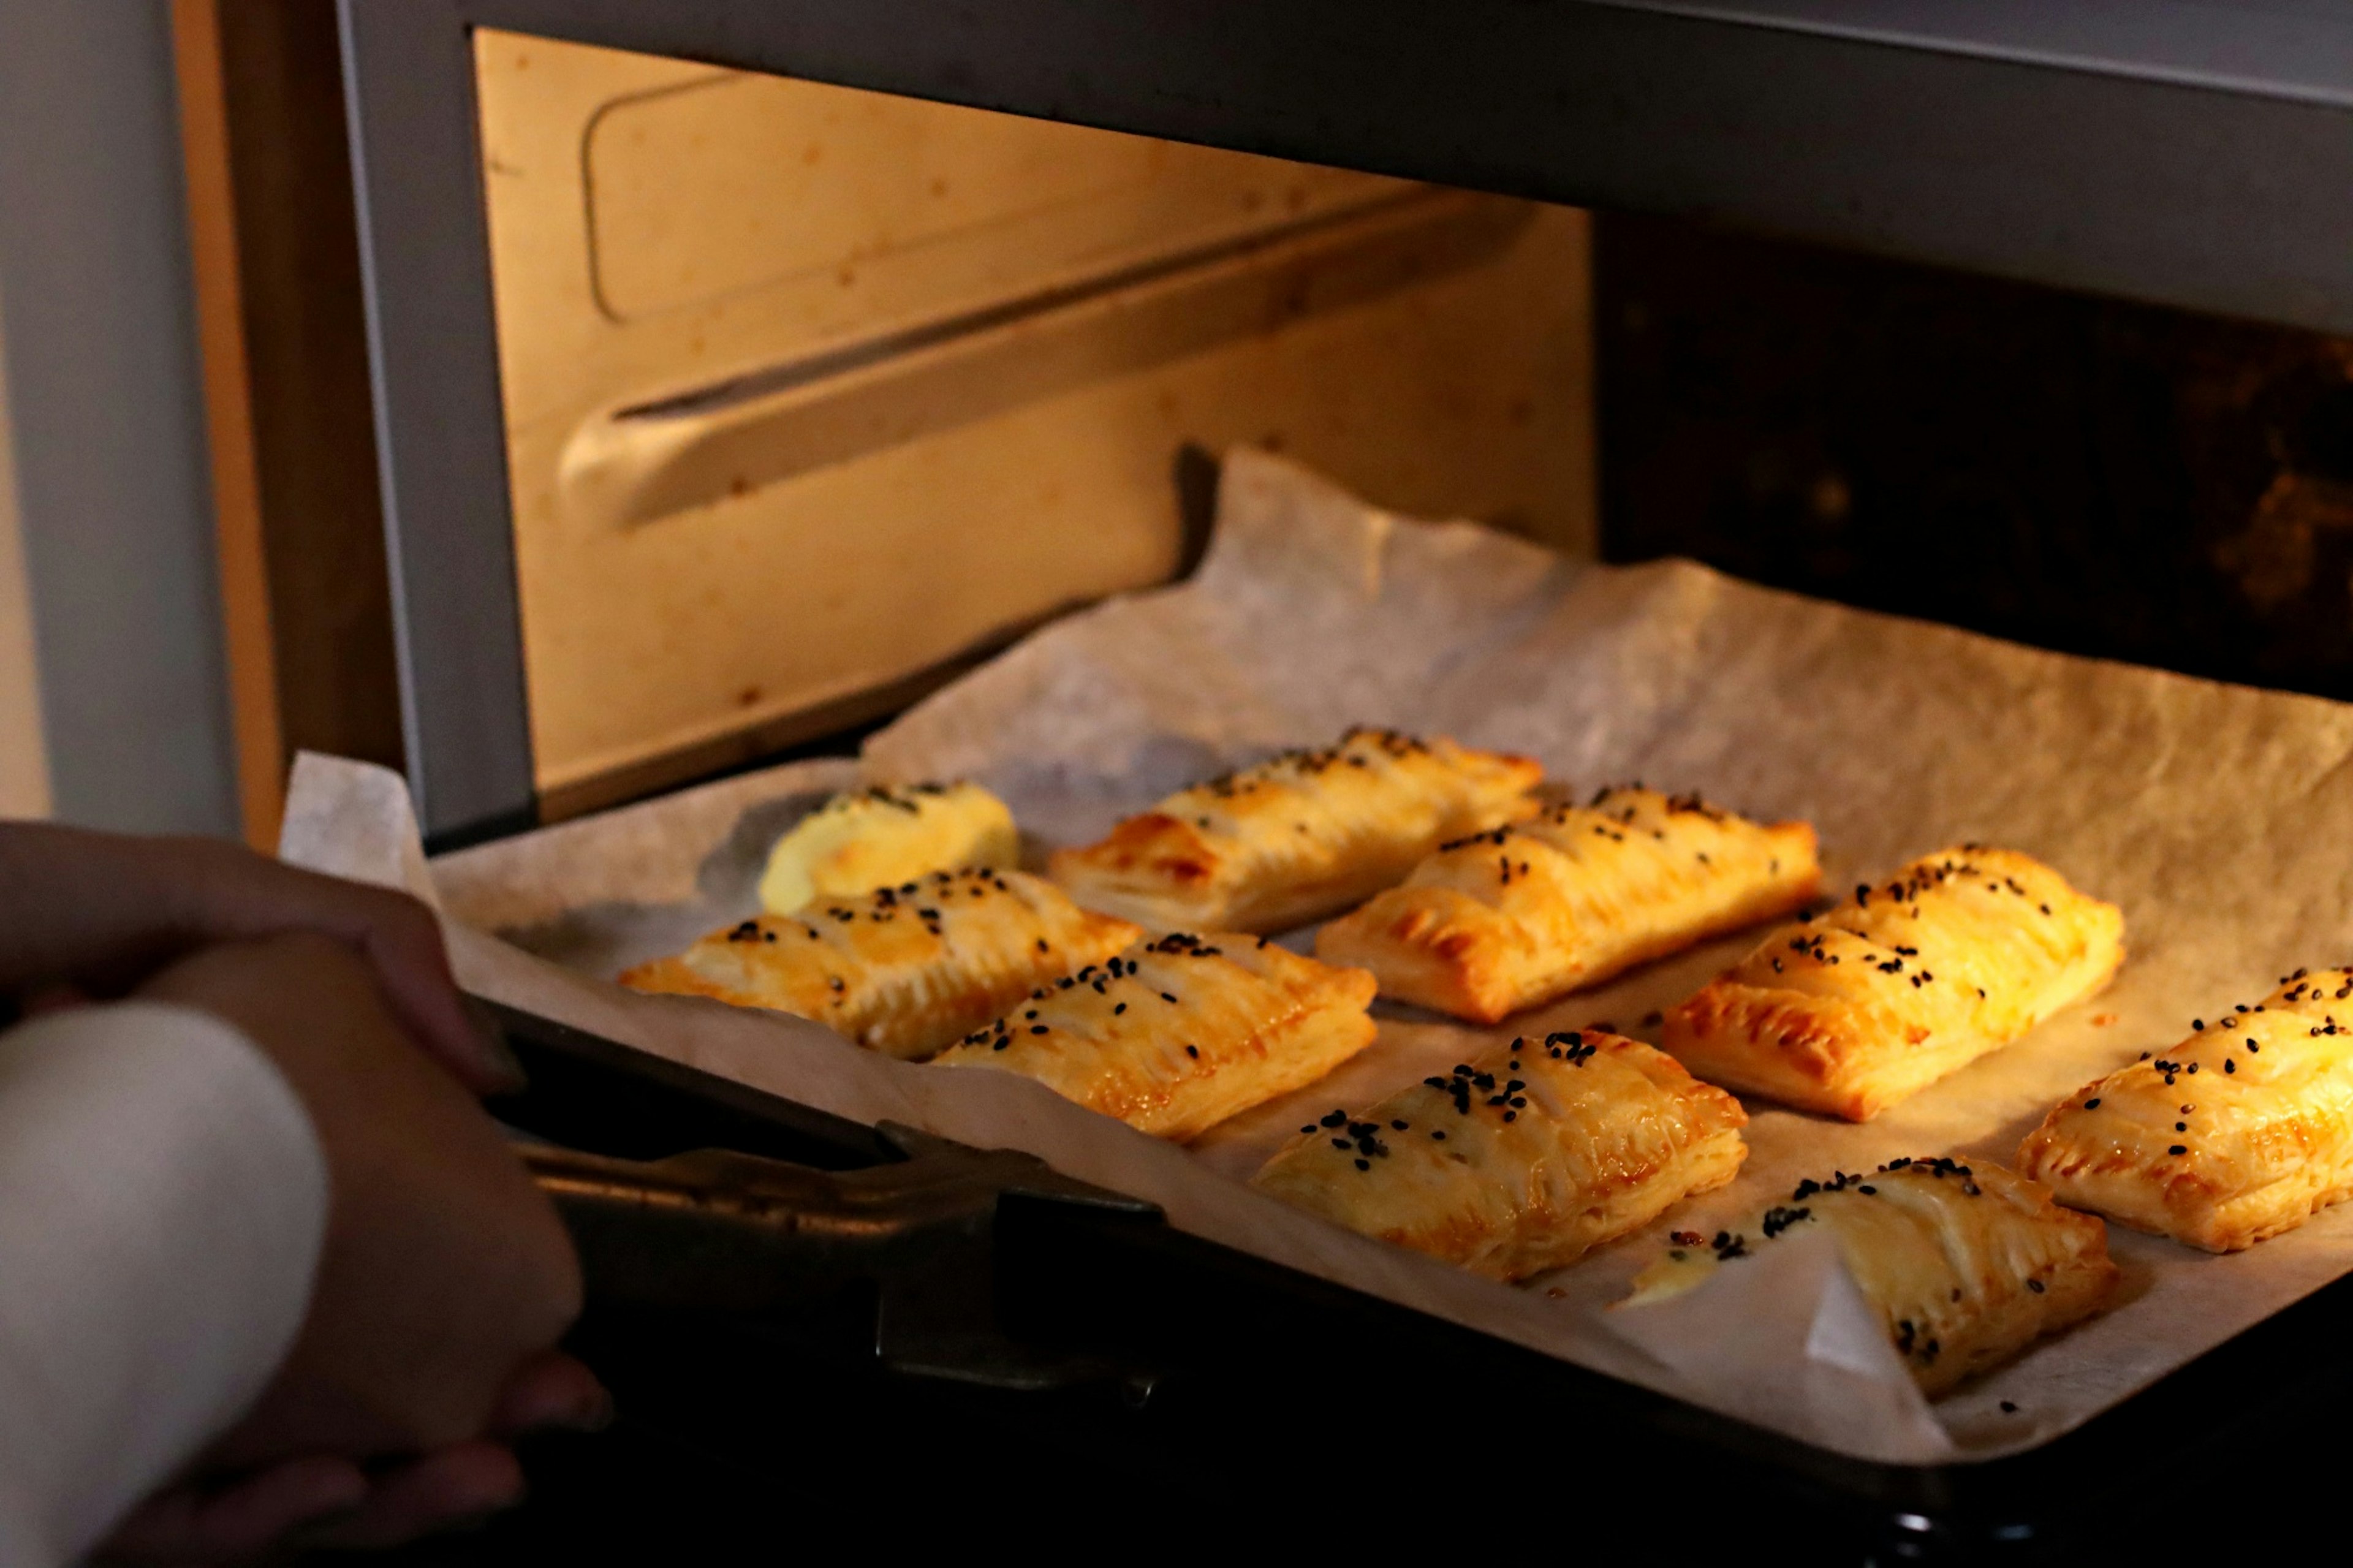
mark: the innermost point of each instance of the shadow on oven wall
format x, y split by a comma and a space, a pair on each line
2080, 473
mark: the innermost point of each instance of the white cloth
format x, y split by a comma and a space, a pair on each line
163, 1203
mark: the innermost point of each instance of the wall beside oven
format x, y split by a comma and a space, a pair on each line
111, 499
24, 754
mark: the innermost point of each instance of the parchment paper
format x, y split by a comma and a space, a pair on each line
2220, 818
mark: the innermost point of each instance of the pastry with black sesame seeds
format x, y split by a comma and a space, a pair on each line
1300, 835
1183, 1032
1965, 1263
880, 836
1521, 1160
2254, 1145
902, 970
1906, 982
1515, 917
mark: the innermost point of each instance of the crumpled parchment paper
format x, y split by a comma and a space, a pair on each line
2220, 818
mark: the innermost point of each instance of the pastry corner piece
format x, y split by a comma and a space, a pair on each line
1852, 1010
1966, 1266
2243, 1131
1299, 837
903, 970
1521, 1160
1515, 917
1176, 1035
885, 836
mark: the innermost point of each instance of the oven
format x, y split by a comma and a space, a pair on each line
743, 372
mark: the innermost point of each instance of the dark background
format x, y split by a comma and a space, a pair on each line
2082, 474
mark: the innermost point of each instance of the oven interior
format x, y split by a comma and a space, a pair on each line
814, 395
810, 396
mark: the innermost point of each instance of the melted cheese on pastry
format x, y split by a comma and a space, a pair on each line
1961, 953
1505, 920
2241, 1132
1298, 836
903, 970
1174, 1035
1965, 1267
869, 838
1521, 1160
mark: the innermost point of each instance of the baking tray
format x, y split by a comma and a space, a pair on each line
1248, 1391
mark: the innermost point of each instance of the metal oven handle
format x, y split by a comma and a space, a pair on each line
717, 1230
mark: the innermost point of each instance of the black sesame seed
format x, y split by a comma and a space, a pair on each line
2178, 1149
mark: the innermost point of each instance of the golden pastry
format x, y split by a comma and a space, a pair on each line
903, 970
2241, 1132
1298, 836
1521, 1160
1174, 1035
1504, 919
1854, 1010
880, 838
1966, 1266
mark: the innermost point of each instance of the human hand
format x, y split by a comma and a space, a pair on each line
100, 911
444, 1270
326, 1500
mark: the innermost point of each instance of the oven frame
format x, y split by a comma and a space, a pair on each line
2060, 141
2222, 196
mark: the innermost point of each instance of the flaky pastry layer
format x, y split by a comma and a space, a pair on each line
1511, 917
1965, 1266
903, 970
1960, 954
1521, 1160
1176, 1035
2243, 1131
1299, 836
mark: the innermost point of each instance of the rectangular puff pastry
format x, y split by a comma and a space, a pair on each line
1298, 836
1521, 1160
1504, 919
1174, 1035
903, 970
1854, 1009
2241, 1132
1966, 1266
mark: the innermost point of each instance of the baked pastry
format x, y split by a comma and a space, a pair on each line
1298, 836
1504, 919
880, 838
1966, 1266
1521, 1160
1174, 1035
1854, 1010
2241, 1132
902, 970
